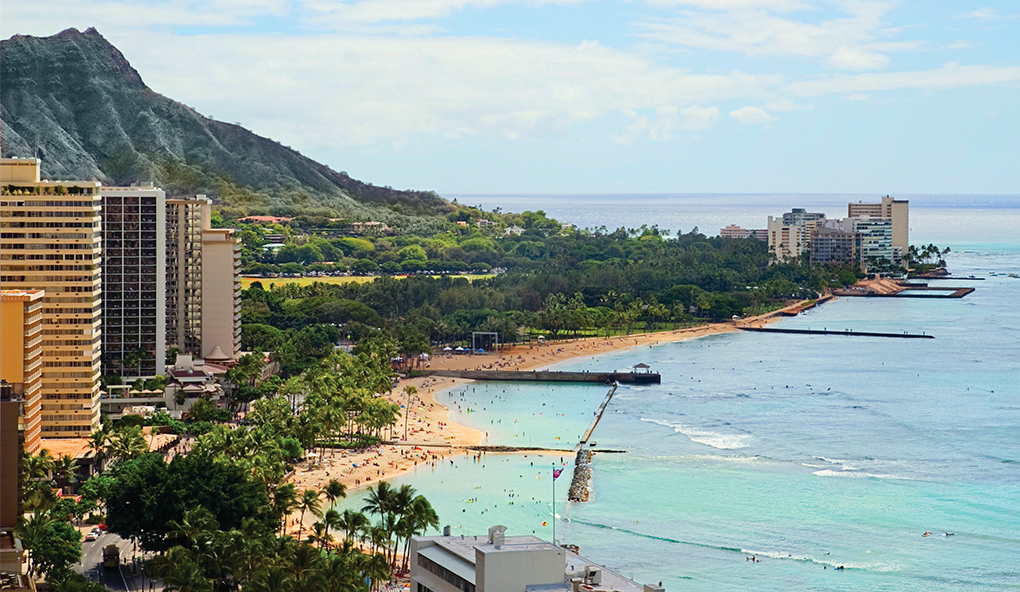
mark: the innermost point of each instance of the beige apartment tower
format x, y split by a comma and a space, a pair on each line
896, 210
786, 241
203, 292
21, 357
51, 240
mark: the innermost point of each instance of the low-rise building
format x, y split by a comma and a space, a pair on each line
498, 563
734, 231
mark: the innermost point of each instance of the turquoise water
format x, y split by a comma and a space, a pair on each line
806, 451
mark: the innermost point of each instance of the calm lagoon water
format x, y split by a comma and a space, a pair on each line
808, 452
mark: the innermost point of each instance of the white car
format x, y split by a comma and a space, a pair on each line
92, 536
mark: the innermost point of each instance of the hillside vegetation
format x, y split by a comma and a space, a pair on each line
75, 102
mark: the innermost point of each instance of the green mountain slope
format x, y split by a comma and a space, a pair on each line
74, 101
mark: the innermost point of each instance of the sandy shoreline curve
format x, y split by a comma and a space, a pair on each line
431, 437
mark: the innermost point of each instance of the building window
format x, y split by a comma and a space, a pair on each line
446, 574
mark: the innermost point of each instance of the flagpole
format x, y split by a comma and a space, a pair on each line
554, 504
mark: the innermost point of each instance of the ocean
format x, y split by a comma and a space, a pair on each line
808, 452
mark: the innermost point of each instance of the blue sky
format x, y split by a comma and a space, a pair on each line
494, 96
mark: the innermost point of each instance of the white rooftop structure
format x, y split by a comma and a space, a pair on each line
498, 563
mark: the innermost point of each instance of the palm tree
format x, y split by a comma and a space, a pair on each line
320, 535
195, 522
418, 519
400, 506
378, 569
309, 501
305, 562
333, 491
273, 579
38, 467
284, 503
97, 444
127, 443
65, 468
32, 532
186, 576
338, 575
380, 499
352, 524
409, 390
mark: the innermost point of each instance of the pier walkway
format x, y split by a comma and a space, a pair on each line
551, 376
915, 291
845, 333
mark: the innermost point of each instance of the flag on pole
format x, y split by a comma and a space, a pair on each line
556, 473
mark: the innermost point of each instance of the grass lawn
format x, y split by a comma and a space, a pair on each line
246, 282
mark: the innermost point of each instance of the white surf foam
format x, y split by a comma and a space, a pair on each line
889, 566
857, 475
706, 437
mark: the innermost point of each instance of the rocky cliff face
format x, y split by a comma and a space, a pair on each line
75, 102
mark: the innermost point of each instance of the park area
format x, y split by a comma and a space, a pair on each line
247, 281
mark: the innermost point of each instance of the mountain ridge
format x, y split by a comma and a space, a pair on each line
74, 101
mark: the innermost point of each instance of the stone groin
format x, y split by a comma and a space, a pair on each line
580, 485
552, 376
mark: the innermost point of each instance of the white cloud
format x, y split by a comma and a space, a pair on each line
850, 42
332, 89
949, 76
985, 14
856, 58
786, 106
776, 5
26, 17
699, 118
342, 90
342, 15
751, 115
959, 44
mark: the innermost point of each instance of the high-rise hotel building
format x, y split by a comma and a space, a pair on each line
203, 286
895, 210
50, 239
134, 272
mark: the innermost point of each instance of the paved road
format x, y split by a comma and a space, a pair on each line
92, 562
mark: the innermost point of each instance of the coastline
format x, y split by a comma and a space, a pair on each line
431, 437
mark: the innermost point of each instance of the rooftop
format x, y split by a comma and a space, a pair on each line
73, 447
574, 565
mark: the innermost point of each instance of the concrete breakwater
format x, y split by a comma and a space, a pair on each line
553, 376
580, 484
845, 332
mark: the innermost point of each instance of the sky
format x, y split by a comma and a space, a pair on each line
603, 96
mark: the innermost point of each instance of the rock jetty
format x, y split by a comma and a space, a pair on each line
580, 485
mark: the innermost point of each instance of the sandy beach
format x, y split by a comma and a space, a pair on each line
431, 437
